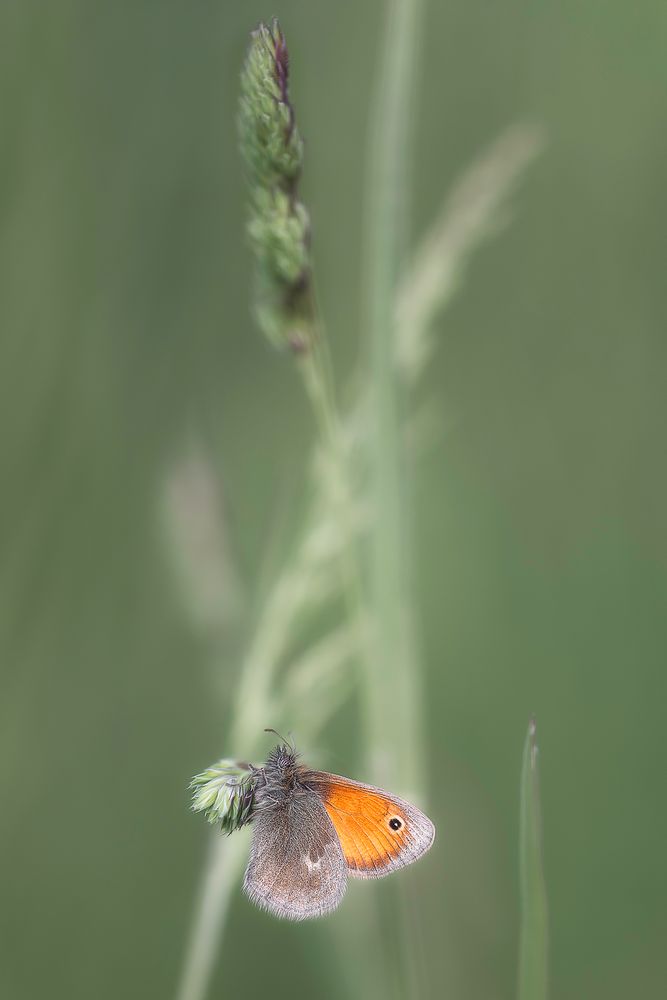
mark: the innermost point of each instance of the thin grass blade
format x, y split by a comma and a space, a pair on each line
533, 941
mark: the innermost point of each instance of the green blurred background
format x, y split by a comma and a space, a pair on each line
540, 514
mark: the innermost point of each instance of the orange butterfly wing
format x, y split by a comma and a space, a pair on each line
378, 832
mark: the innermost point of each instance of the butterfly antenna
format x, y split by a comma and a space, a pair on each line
280, 737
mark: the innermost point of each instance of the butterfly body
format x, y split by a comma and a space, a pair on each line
312, 829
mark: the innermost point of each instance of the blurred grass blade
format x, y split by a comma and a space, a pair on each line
474, 210
533, 941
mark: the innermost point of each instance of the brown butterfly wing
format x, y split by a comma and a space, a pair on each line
296, 868
378, 832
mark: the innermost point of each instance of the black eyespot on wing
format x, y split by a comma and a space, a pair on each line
395, 823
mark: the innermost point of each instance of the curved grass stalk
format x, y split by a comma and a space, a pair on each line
313, 574
308, 579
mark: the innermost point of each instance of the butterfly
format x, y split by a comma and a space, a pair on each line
312, 829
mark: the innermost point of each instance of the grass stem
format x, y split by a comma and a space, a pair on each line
219, 880
392, 690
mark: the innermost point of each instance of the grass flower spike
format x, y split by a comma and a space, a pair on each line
225, 793
278, 225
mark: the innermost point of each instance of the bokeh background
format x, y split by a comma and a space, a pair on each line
125, 334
